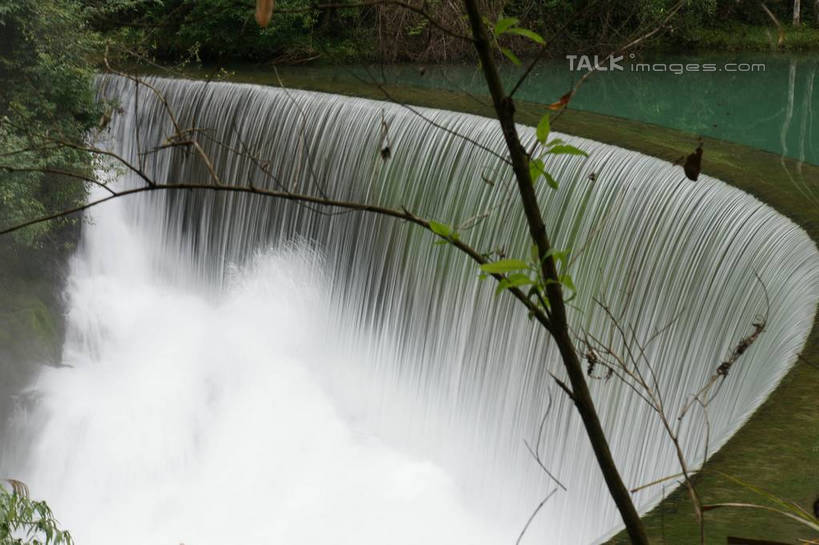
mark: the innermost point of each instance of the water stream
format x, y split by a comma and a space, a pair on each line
249, 370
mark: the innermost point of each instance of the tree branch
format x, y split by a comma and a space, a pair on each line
505, 110
401, 214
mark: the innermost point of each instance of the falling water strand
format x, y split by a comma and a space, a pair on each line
252, 370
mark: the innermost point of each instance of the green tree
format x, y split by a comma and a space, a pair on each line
225, 29
47, 90
24, 521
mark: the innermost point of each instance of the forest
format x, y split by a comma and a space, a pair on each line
221, 29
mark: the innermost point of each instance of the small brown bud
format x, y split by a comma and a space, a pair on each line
264, 12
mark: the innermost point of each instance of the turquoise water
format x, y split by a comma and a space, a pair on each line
775, 108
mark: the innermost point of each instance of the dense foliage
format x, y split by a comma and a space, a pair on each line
210, 29
46, 97
24, 521
224, 29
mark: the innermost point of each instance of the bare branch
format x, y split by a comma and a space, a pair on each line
658, 481
401, 214
534, 514
722, 371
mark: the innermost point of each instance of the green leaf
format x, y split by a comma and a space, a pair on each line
536, 294
512, 281
441, 229
519, 279
511, 56
505, 24
566, 149
543, 129
559, 256
555, 142
504, 266
567, 281
536, 167
526, 33
502, 285
550, 180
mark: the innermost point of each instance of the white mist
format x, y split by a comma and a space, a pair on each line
191, 415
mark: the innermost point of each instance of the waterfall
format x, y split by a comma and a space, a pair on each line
257, 371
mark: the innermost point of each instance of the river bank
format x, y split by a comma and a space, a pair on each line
751, 38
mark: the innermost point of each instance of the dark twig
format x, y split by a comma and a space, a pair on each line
534, 514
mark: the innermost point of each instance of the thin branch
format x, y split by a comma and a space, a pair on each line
536, 451
402, 214
723, 369
534, 514
539, 461
658, 481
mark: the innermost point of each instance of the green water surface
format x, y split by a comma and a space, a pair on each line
765, 101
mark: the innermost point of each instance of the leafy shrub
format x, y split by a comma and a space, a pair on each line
47, 96
24, 521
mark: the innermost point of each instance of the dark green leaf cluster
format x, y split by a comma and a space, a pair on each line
517, 273
225, 29
599, 26
510, 26
24, 521
47, 97
556, 146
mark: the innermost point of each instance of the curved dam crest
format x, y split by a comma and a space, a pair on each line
230, 344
